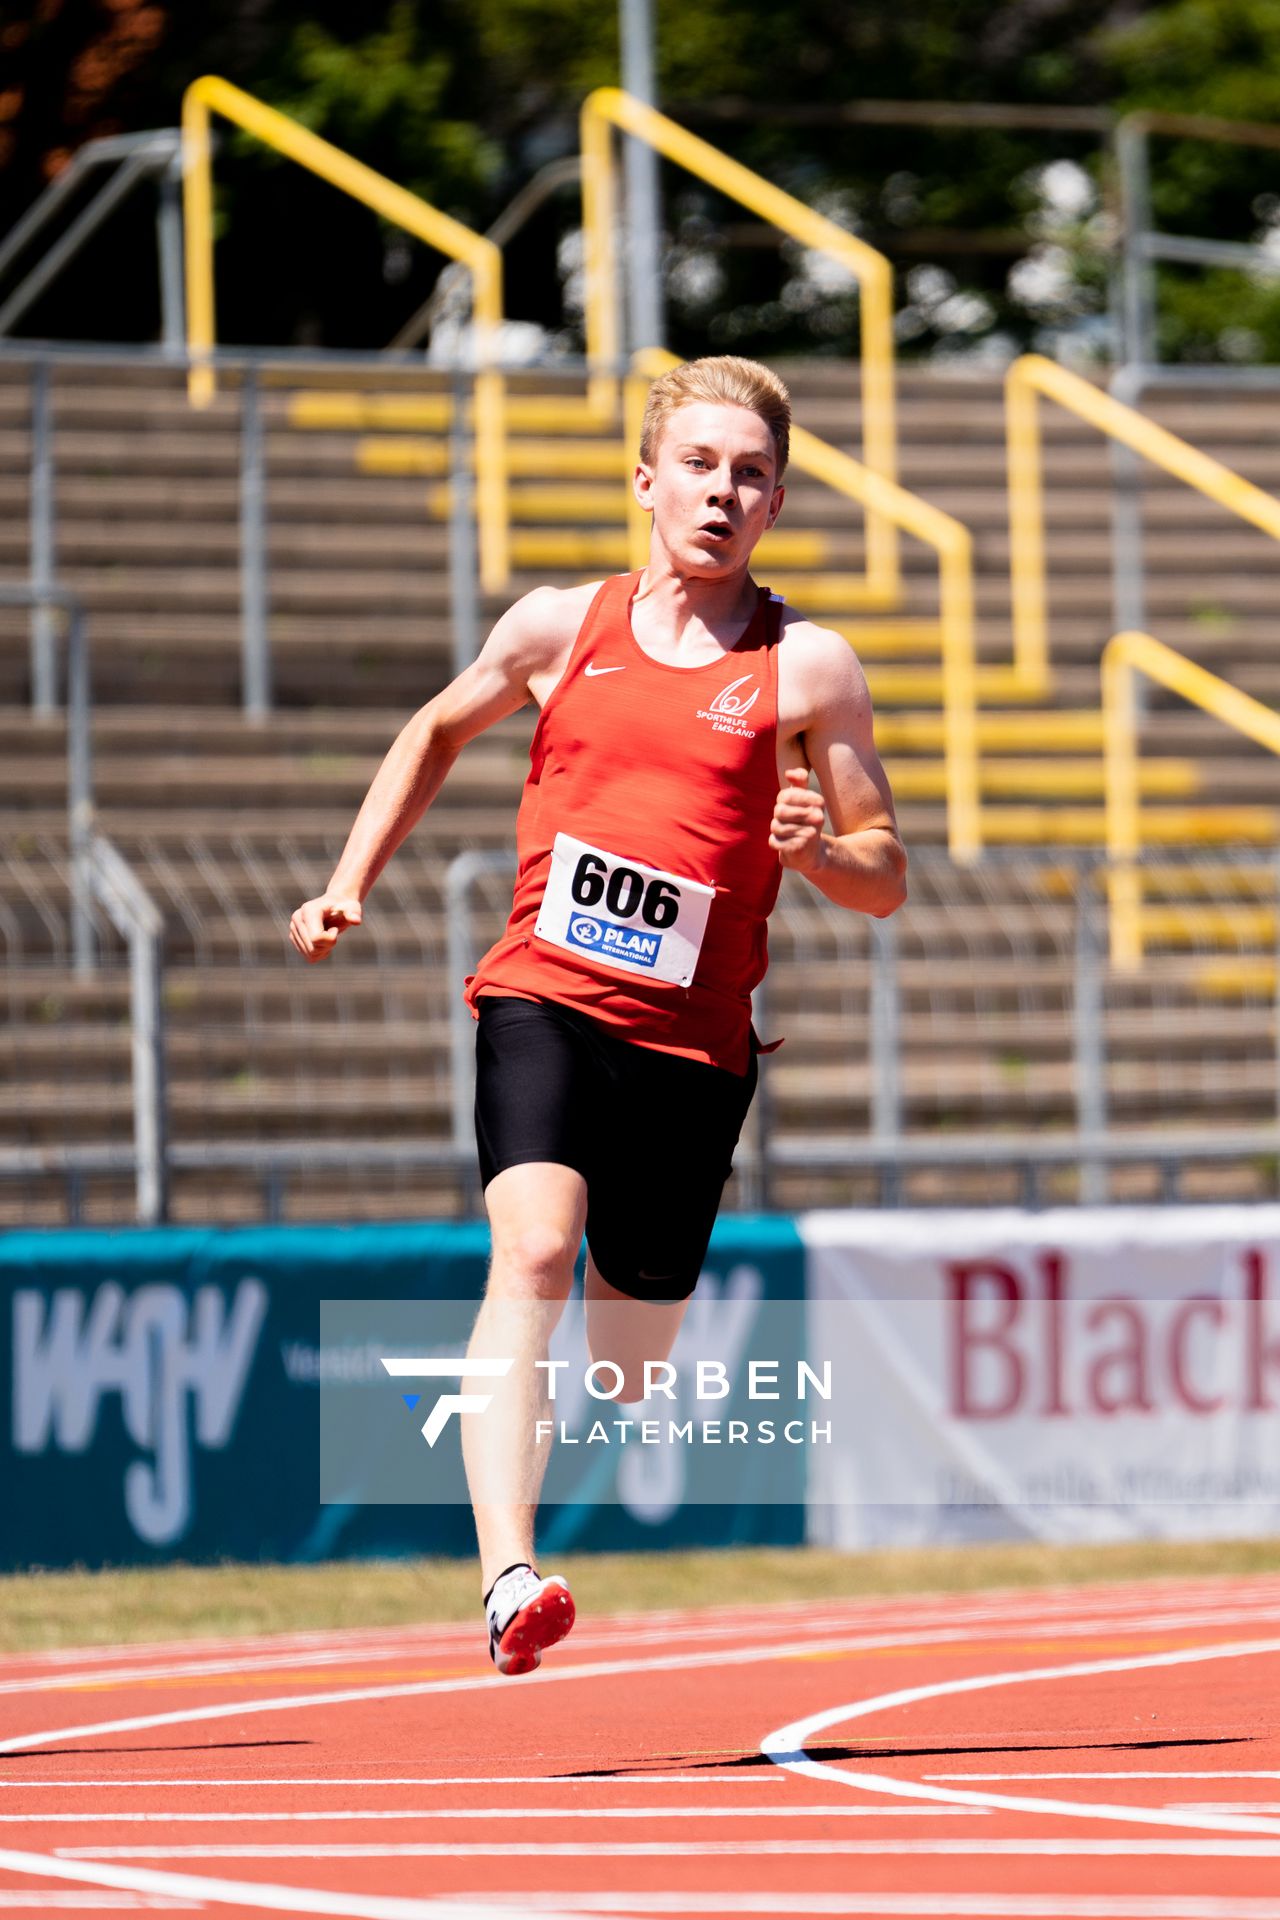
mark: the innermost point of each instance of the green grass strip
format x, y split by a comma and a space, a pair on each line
77, 1608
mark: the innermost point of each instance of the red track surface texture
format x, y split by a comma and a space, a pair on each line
1109, 1751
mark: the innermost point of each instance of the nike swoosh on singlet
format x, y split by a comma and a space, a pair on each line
591, 672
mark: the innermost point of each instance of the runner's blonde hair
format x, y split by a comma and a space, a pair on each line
724, 380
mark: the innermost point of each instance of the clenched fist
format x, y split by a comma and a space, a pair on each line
796, 830
317, 924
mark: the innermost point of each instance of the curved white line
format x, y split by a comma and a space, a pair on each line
749, 1655
710, 1657
786, 1747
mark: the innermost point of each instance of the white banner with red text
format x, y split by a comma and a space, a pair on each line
1074, 1374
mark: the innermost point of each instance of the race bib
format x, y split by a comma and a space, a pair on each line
619, 914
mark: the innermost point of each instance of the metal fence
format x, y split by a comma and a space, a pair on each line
975, 1047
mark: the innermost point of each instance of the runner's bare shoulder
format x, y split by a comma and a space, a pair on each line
534, 638
820, 675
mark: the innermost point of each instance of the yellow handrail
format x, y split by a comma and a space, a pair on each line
610, 106
954, 547
404, 209
1127, 655
1033, 375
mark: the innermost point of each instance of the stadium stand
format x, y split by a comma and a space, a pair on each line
229, 821
985, 1010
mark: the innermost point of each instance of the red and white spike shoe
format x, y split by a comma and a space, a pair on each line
525, 1615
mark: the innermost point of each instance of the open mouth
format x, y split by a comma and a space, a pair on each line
717, 530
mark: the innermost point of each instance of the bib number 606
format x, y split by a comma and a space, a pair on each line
624, 892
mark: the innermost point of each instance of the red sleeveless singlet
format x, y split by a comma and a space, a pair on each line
645, 872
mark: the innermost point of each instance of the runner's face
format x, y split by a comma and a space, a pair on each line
712, 487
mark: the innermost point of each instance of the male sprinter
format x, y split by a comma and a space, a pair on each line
683, 710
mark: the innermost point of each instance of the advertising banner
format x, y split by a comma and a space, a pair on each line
1067, 1375
160, 1396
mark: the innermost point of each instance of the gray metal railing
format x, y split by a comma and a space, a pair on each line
135, 157
255, 643
1143, 245
980, 1035
99, 874
252, 376
137, 920
51, 599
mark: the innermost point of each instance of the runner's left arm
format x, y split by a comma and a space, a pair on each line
862, 864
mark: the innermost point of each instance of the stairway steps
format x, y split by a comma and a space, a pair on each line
1167, 826
591, 547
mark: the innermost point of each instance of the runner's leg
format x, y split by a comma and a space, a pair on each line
629, 1331
674, 1126
536, 1217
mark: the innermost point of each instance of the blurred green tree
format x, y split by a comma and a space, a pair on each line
1000, 235
1222, 58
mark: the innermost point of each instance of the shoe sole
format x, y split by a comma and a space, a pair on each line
546, 1619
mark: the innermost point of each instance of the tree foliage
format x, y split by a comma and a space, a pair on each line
1219, 58
1000, 235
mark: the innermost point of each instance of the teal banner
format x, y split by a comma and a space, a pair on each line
160, 1394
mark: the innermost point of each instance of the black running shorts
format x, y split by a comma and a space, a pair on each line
652, 1134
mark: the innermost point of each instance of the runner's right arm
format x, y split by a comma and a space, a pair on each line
522, 658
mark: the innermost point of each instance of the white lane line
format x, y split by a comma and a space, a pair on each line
834, 1810
287, 1899
47, 1901
1126, 1773
1140, 1597
206, 1669
954, 1631
736, 1656
983, 1906
465, 1683
694, 1849
257, 1893
1220, 1806
750, 1655
761, 1776
786, 1746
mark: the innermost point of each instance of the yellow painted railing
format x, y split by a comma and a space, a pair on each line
1123, 658
610, 107
1027, 379
904, 510
210, 95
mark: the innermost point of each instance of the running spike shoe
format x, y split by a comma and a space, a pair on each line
525, 1615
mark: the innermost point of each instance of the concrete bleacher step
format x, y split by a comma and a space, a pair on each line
1203, 923
434, 412
1042, 778
583, 549
1161, 826
912, 686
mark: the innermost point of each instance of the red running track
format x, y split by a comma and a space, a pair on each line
1104, 1753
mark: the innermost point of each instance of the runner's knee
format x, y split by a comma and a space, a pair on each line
536, 1260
